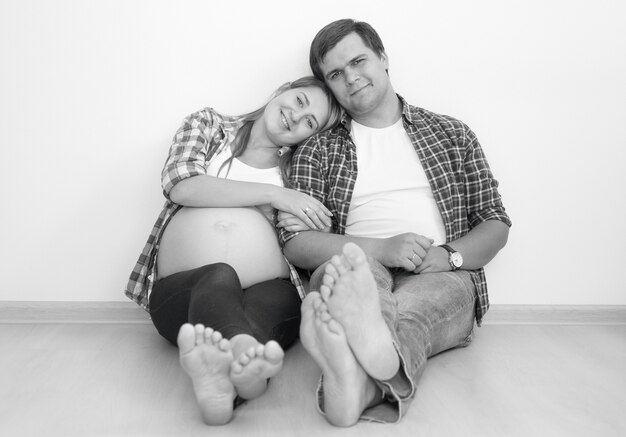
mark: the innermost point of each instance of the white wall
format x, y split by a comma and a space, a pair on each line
92, 91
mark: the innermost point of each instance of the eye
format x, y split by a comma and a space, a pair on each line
309, 122
335, 75
299, 101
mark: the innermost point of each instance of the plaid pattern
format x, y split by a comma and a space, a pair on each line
466, 193
200, 136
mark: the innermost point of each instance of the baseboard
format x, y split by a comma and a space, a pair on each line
71, 312
128, 312
556, 315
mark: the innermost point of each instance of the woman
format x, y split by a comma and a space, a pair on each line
212, 274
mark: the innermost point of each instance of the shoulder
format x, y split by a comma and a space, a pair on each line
210, 122
451, 127
323, 143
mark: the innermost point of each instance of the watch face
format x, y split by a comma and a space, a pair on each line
456, 259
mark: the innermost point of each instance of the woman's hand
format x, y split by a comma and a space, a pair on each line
309, 210
293, 224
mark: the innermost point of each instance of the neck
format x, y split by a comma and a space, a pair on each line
260, 151
385, 114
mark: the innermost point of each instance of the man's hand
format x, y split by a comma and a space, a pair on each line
436, 260
404, 250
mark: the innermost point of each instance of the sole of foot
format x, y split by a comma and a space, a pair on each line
206, 357
250, 371
347, 388
349, 289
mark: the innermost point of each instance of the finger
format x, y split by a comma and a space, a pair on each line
297, 228
306, 220
314, 216
283, 215
424, 242
324, 219
323, 208
407, 265
423, 268
419, 252
288, 222
415, 259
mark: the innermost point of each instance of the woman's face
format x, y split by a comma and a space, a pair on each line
295, 115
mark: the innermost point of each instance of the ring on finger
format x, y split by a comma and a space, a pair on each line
307, 209
413, 257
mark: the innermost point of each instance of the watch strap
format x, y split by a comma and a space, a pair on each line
450, 252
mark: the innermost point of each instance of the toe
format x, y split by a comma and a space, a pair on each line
186, 338
199, 330
216, 337
324, 316
236, 367
330, 272
307, 303
334, 326
325, 291
224, 345
328, 280
273, 352
339, 265
259, 351
208, 332
354, 255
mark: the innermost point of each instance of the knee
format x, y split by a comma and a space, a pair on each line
218, 273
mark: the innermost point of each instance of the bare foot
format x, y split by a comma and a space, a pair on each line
349, 289
348, 391
250, 371
206, 358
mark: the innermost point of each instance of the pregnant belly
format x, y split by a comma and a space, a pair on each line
241, 237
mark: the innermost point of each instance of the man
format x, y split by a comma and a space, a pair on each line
401, 181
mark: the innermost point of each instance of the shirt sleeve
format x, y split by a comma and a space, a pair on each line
189, 150
307, 177
483, 199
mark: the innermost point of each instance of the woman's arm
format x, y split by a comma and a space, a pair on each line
184, 179
209, 191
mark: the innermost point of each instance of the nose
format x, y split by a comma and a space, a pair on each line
298, 115
352, 76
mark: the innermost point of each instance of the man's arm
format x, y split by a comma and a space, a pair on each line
478, 247
311, 249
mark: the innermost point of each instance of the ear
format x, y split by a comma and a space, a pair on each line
385, 59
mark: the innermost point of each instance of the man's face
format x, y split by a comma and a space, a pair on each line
356, 75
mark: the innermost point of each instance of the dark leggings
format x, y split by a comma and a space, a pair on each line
212, 295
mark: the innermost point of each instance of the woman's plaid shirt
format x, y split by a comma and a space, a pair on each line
466, 193
200, 136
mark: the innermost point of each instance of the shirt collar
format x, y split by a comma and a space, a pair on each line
346, 120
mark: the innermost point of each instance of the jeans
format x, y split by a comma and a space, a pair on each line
426, 314
212, 295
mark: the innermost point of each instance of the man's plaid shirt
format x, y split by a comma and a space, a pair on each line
466, 193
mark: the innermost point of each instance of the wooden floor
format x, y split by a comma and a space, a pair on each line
85, 379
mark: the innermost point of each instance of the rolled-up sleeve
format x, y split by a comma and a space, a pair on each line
483, 199
189, 150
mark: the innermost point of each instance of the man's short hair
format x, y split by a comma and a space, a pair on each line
327, 38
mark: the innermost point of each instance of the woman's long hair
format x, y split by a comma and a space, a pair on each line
243, 135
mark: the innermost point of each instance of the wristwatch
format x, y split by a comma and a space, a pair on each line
454, 258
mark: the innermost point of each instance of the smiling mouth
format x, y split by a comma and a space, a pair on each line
284, 120
360, 89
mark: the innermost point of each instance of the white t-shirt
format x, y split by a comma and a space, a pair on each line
392, 194
239, 171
